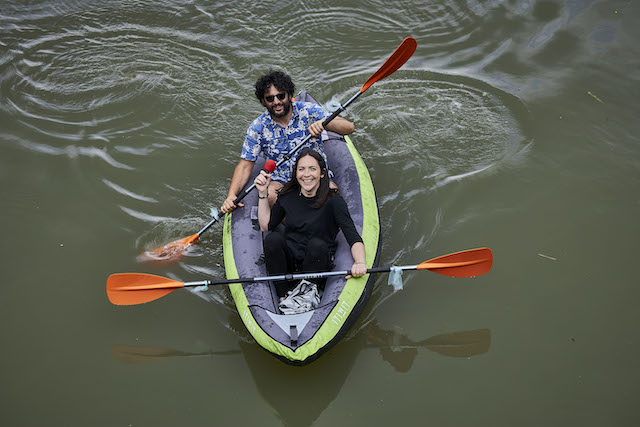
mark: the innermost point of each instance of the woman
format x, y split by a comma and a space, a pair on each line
314, 214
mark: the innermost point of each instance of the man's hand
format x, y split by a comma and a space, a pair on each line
228, 205
316, 128
240, 177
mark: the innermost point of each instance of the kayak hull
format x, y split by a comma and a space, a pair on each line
301, 338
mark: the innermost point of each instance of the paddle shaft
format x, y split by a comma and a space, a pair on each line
322, 275
301, 276
295, 149
399, 56
295, 276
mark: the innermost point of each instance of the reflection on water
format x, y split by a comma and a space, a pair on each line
400, 351
299, 394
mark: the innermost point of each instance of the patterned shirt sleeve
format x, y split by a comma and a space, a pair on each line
316, 112
252, 141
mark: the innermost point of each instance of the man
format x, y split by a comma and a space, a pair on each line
277, 131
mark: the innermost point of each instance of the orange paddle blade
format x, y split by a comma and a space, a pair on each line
138, 288
395, 61
470, 263
169, 252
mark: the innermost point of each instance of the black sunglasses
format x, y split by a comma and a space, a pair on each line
270, 98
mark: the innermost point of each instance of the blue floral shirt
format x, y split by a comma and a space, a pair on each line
276, 141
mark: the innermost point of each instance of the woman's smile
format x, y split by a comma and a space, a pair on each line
308, 175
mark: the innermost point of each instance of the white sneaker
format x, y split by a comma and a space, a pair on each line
304, 297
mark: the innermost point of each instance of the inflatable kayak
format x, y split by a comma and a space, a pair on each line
301, 338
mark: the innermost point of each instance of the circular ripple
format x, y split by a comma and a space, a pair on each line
445, 126
133, 92
427, 137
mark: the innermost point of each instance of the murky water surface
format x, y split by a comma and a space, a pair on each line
514, 126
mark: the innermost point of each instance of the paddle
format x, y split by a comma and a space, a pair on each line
392, 64
139, 288
134, 355
174, 250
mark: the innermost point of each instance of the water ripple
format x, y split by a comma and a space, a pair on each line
95, 72
427, 132
162, 94
128, 193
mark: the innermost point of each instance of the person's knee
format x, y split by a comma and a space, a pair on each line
273, 241
317, 256
317, 246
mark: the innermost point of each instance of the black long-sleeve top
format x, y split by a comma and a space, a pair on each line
305, 222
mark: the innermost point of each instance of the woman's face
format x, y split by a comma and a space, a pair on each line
308, 175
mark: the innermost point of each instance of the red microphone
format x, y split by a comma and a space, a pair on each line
269, 166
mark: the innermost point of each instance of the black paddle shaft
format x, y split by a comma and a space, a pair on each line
294, 276
287, 156
300, 144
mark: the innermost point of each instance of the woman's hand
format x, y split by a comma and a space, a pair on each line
358, 269
262, 184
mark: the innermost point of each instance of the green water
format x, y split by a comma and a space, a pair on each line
513, 126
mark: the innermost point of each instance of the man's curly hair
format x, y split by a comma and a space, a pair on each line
278, 79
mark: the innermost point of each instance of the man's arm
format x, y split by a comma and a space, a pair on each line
238, 180
337, 125
341, 126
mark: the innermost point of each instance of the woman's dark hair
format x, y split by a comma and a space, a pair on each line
278, 79
323, 190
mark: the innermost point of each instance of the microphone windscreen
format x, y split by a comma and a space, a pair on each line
269, 165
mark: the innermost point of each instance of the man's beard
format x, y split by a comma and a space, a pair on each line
285, 110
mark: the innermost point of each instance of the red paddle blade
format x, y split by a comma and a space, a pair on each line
470, 263
395, 61
138, 288
169, 252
